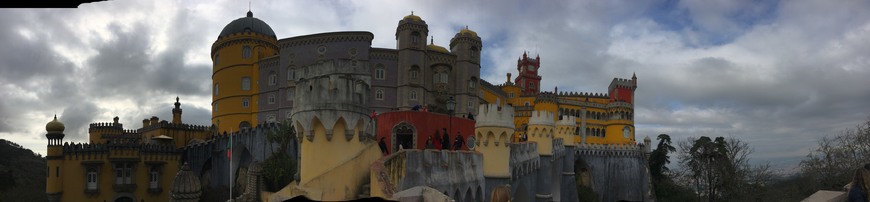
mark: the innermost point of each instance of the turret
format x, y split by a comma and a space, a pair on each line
176, 113
541, 130
54, 159
412, 32
331, 118
566, 128
529, 79
493, 130
467, 46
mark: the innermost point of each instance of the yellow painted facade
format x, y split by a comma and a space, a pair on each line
235, 73
118, 164
601, 124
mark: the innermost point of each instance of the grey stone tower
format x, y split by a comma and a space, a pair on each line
411, 35
467, 46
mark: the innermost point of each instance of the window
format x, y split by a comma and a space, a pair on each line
290, 95
532, 85
626, 132
273, 79
473, 52
216, 89
440, 77
527, 104
57, 171
290, 73
92, 179
470, 104
244, 124
379, 94
413, 95
511, 95
472, 83
415, 37
415, 71
246, 102
123, 173
271, 98
246, 83
379, 72
214, 107
246, 52
153, 176
444, 77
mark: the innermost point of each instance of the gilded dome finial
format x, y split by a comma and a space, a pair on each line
55, 126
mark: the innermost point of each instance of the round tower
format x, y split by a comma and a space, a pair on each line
331, 117
411, 34
467, 46
235, 55
54, 159
493, 129
541, 130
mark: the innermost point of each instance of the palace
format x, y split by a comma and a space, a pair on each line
119, 164
256, 78
366, 120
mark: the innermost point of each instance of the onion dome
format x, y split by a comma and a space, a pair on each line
646, 139
412, 17
247, 24
467, 32
55, 126
436, 48
185, 186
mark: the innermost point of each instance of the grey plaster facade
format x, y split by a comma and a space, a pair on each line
409, 75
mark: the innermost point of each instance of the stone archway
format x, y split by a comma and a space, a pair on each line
403, 134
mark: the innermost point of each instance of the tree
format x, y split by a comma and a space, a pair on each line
659, 158
719, 169
832, 164
278, 169
663, 183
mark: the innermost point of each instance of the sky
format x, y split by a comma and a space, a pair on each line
776, 74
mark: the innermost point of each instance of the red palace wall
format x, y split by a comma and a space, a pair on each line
425, 123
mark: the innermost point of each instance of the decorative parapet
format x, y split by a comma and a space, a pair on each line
616, 104
620, 83
610, 149
325, 38
494, 115
567, 121
581, 103
542, 118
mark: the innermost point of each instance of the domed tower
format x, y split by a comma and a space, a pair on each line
235, 55
411, 70
467, 46
54, 159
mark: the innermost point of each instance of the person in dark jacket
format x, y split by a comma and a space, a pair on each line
445, 140
383, 146
457, 145
437, 141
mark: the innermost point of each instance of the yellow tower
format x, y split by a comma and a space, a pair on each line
235, 54
493, 129
541, 129
54, 159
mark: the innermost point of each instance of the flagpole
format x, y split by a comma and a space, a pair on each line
229, 153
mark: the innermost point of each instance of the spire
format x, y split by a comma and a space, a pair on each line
177, 104
432, 41
250, 14
412, 12
633, 76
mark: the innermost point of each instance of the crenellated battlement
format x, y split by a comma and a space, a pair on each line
495, 115
621, 83
567, 121
524, 158
583, 94
546, 97
166, 124
542, 118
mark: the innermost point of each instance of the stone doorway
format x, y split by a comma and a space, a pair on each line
404, 134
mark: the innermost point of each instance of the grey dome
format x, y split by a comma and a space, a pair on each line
185, 186
247, 24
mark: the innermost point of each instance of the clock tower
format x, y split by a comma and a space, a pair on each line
528, 79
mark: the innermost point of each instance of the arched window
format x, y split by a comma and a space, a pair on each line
216, 89
380, 72
273, 79
379, 94
244, 124
214, 107
246, 52
246, 83
290, 73
415, 37
414, 72
626, 132
472, 83
413, 95
246, 102
473, 52
92, 179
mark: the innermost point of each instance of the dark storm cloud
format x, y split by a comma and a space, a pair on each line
77, 118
